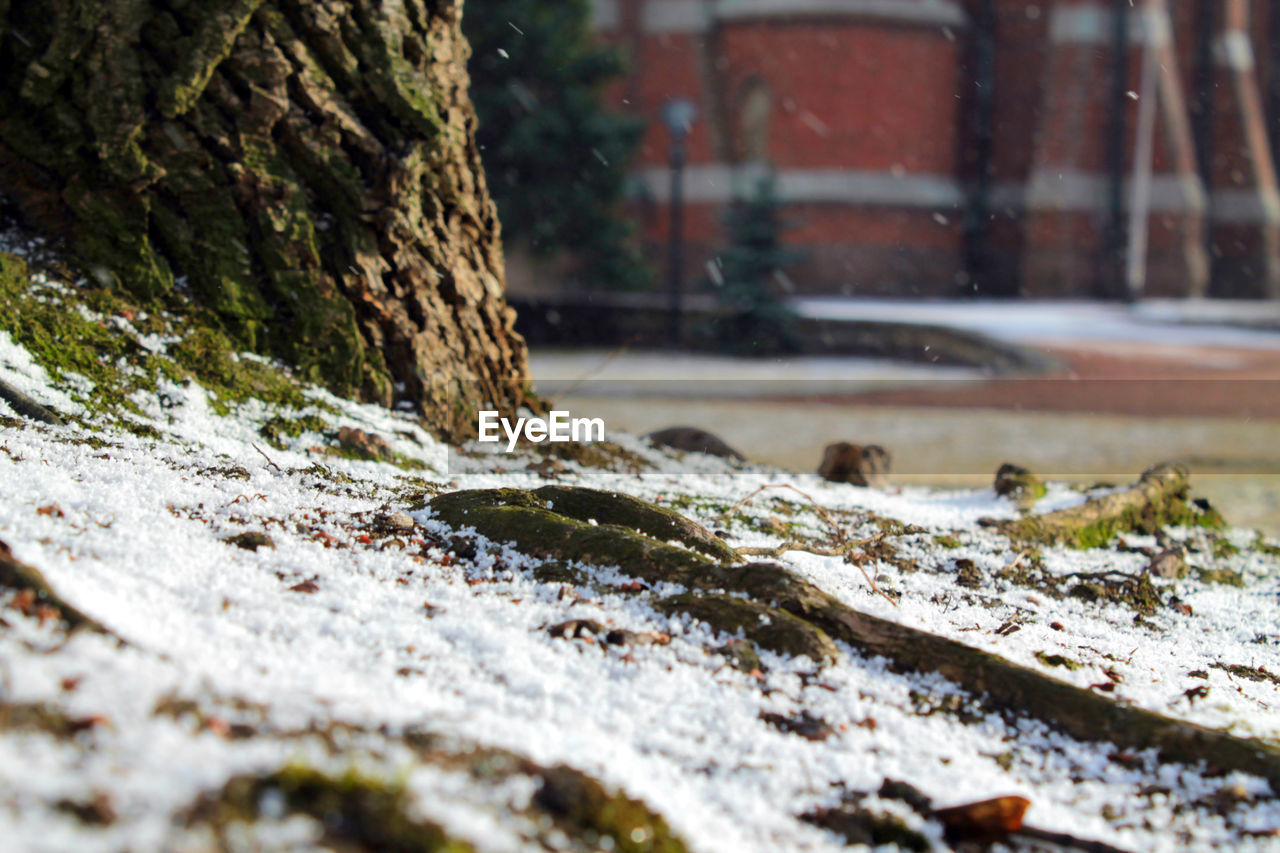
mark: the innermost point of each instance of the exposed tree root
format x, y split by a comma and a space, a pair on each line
18, 575
525, 519
1075, 711
25, 406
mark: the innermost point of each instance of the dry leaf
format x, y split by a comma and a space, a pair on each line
984, 821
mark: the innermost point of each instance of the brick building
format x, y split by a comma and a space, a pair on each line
938, 147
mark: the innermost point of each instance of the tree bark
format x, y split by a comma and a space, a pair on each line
305, 171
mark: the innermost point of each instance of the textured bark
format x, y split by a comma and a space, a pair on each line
304, 169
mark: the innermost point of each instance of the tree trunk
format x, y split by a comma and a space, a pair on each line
303, 170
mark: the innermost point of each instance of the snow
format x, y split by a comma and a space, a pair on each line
1205, 323
696, 375
400, 636
20, 371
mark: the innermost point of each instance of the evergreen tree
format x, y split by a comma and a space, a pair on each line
750, 276
555, 158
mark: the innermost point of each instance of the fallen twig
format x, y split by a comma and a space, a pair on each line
25, 406
779, 550
845, 547
1066, 842
1016, 561
266, 457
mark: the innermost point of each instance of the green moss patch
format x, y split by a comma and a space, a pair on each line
741, 655
521, 517
642, 516
1029, 571
1136, 593
1250, 673
1224, 548
1160, 499
1019, 485
279, 427
582, 807
556, 522
90, 331
557, 572
1263, 546
1058, 660
863, 826
36, 717
352, 808
1221, 576
766, 627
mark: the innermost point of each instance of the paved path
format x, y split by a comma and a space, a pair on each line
1115, 407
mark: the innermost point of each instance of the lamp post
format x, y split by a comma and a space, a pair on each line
678, 115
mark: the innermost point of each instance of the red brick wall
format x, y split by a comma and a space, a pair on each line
850, 94
873, 96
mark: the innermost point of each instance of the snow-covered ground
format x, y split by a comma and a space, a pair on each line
228, 661
1206, 323
701, 376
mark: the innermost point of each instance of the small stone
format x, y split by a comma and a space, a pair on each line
967, 574
843, 462
366, 445
396, 522
576, 629
1019, 484
693, 440
775, 526
1168, 564
861, 826
624, 637
1229, 796
896, 789
251, 540
463, 549
96, 811
803, 724
741, 655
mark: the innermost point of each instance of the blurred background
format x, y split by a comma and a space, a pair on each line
972, 231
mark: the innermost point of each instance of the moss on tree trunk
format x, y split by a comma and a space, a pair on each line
305, 172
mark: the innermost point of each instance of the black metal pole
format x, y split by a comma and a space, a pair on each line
1202, 71
1111, 269
676, 248
978, 220
1272, 109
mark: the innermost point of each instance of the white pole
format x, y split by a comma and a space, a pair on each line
1155, 37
